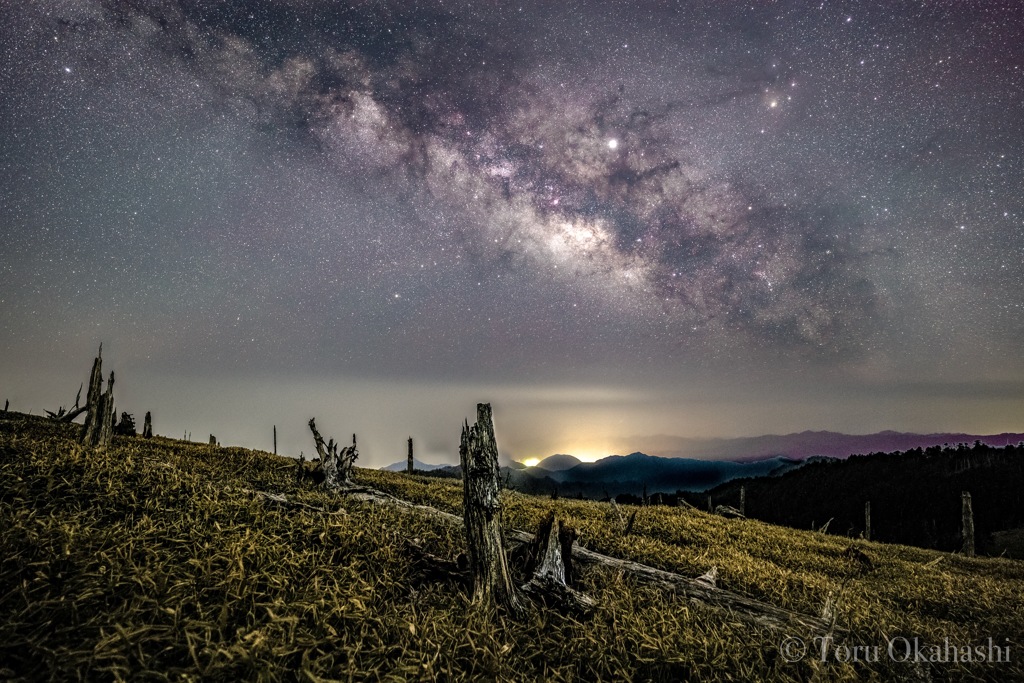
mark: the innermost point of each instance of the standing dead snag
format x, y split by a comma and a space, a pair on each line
99, 407
551, 568
147, 427
968, 524
409, 465
336, 467
481, 510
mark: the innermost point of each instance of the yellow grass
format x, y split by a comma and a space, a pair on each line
153, 561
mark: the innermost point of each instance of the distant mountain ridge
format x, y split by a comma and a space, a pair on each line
634, 472
722, 460
802, 445
416, 464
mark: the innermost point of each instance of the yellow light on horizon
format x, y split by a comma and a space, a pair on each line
531, 462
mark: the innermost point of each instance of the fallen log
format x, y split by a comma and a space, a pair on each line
66, 415
696, 590
729, 512
430, 567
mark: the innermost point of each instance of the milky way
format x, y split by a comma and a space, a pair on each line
601, 192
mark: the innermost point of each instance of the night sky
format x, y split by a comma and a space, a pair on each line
611, 220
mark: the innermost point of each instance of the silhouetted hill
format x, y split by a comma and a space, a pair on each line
558, 462
629, 474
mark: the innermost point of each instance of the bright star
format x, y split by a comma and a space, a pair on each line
613, 144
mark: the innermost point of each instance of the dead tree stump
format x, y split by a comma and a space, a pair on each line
743, 500
968, 524
867, 520
99, 407
409, 462
336, 467
481, 510
147, 426
551, 568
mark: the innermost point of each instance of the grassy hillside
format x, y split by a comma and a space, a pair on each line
154, 561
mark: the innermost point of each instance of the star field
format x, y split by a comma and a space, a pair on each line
716, 205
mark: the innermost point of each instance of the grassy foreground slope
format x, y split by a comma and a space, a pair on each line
154, 561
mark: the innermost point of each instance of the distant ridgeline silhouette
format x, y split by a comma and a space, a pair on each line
915, 494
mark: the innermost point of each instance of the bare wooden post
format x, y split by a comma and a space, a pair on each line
409, 463
968, 524
147, 426
275, 439
481, 510
867, 520
743, 501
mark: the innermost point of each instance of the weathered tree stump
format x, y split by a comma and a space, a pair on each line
478, 456
99, 407
213, 440
743, 501
867, 520
551, 568
968, 524
409, 462
147, 426
336, 467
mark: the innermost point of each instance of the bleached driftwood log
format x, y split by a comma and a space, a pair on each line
478, 456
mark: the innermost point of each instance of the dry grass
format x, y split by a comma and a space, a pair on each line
151, 561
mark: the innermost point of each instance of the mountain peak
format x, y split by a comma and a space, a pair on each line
558, 462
